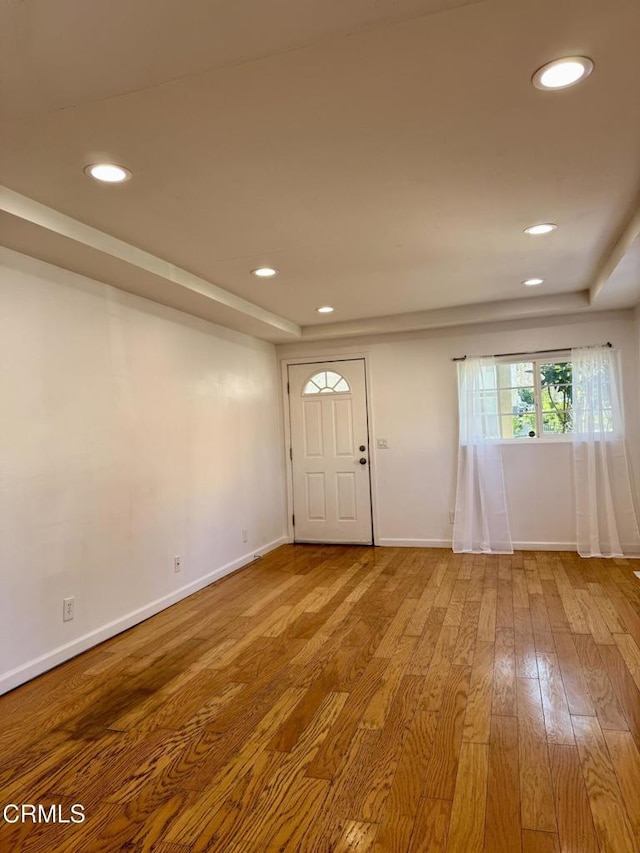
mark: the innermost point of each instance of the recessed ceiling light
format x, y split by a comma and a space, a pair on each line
531, 282
326, 309
562, 73
265, 272
542, 228
108, 173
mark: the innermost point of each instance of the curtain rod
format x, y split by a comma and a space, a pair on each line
530, 352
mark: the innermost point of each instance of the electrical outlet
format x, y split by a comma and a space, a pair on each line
68, 607
452, 516
244, 535
177, 564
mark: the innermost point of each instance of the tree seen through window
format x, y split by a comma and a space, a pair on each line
534, 398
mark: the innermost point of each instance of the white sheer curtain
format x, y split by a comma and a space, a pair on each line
606, 524
481, 520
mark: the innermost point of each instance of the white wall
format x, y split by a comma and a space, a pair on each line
414, 406
129, 433
637, 322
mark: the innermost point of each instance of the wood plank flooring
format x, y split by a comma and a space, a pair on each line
348, 699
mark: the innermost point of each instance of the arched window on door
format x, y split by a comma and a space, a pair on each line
326, 382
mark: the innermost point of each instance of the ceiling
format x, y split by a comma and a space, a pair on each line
383, 156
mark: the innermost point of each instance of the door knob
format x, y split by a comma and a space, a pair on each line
362, 460
362, 448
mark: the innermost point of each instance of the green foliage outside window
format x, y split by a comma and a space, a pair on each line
555, 382
534, 398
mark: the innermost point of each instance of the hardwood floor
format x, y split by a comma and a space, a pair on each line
348, 699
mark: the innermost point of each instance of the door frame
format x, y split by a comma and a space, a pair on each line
286, 418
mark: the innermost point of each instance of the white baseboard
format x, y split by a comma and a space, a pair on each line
414, 543
545, 546
446, 543
19, 675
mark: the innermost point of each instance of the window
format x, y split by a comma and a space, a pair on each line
534, 398
326, 382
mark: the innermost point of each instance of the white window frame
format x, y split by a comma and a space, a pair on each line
535, 359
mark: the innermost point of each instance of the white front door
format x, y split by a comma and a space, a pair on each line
330, 452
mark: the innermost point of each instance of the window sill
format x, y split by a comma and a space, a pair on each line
547, 439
